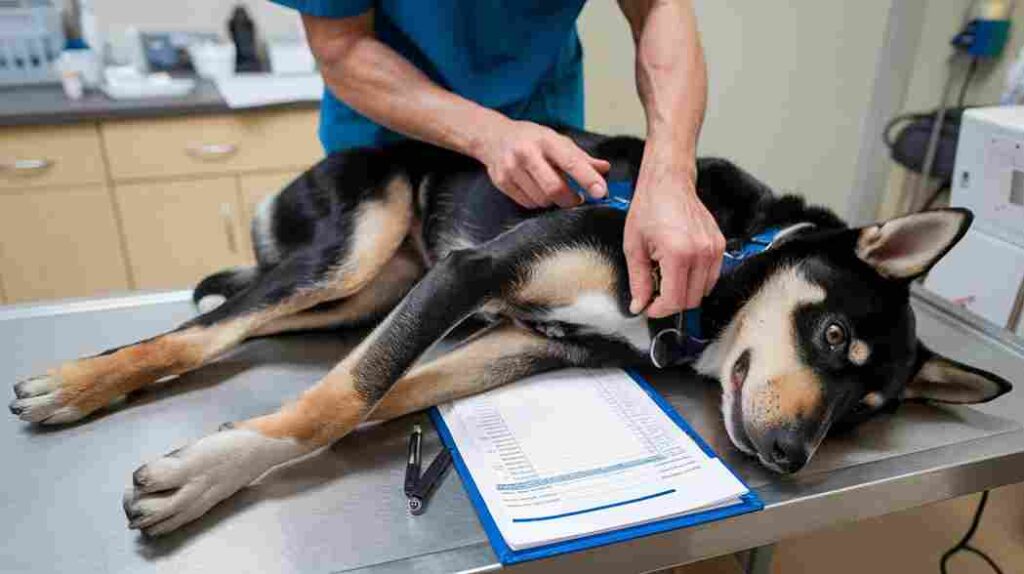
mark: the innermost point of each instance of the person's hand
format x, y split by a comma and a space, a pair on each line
669, 226
526, 161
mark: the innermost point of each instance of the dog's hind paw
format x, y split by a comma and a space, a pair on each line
182, 485
38, 401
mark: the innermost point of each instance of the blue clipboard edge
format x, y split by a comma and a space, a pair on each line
750, 501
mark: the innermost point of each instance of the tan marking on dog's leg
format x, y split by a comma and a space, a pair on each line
494, 358
77, 388
80, 387
324, 412
332, 408
377, 297
556, 279
381, 227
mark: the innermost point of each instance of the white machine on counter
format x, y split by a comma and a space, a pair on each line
985, 271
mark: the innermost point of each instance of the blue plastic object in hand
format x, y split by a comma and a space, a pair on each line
620, 194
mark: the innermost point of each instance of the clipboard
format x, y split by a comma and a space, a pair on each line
748, 502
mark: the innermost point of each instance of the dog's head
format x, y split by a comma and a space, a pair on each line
821, 334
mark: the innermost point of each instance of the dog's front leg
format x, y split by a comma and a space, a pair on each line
491, 358
184, 484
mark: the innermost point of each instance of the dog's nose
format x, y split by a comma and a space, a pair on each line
788, 451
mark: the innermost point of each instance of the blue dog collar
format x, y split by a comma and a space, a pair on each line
686, 338
684, 342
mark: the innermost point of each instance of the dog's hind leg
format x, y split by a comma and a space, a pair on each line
494, 357
332, 269
551, 260
363, 308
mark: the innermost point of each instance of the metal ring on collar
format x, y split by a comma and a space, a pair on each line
654, 342
789, 231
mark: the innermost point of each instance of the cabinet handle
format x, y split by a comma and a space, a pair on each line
211, 152
228, 218
26, 166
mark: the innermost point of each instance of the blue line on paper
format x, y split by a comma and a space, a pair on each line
596, 508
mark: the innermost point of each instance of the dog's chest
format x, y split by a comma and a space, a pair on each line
589, 315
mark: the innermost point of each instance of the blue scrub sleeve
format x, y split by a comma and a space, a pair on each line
328, 8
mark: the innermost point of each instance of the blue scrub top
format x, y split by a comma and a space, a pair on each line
520, 57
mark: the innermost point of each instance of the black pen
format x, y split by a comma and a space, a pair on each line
412, 466
429, 482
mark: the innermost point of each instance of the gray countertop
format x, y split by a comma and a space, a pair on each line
46, 104
343, 509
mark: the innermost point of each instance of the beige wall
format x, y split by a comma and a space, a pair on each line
115, 16
612, 103
789, 85
931, 63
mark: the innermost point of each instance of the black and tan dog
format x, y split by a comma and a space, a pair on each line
815, 331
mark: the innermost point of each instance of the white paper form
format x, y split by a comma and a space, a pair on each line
577, 452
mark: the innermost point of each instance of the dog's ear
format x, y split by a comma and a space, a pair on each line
942, 380
908, 246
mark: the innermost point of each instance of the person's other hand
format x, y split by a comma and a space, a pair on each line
669, 226
528, 162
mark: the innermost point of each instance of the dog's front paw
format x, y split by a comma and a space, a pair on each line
180, 487
39, 401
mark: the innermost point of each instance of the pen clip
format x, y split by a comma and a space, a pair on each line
412, 465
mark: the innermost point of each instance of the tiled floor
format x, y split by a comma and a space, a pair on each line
908, 542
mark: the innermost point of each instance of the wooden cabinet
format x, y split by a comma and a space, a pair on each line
146, 203
229, 143
47, 156
59, 243
178, 232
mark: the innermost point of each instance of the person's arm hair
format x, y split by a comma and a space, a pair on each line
671, 76
382, 85
524, 160
667, 224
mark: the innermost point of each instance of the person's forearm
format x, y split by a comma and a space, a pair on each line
672, 83
379, 83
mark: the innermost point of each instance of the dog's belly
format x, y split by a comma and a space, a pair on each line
461, 210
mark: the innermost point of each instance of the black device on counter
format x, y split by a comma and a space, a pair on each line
243, 34
168, 51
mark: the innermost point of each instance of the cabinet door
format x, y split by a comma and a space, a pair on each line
178, 232
38, 156
59, 243
255, 188
212, 145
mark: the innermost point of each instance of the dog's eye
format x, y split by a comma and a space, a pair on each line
835, 335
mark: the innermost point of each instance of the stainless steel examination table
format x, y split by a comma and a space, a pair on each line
343, 509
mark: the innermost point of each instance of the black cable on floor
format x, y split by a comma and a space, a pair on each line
964, 544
